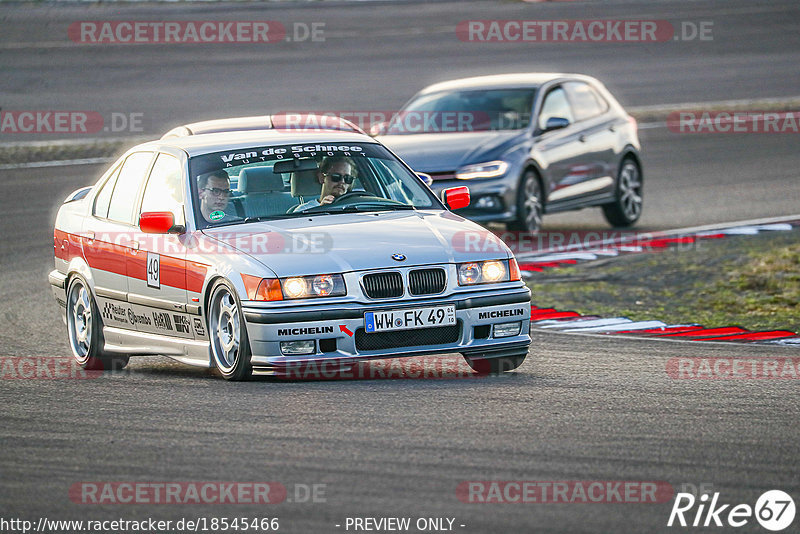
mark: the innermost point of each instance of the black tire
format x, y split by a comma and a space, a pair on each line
227, 332
529, 204
495, 366
85, 330
628, 196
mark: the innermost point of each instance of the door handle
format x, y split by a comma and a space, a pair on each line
135, 245
612, 129
90, 236
582, 138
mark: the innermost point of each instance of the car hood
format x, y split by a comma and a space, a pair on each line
361, 241
447, 152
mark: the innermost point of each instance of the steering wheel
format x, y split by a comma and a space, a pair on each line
351, 194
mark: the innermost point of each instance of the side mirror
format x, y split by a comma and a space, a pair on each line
556, 123
456, 197
159, 222
425, 177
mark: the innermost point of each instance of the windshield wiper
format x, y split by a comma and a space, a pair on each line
355, 208
267, 217
373, 206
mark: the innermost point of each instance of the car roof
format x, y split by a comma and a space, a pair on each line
294, 121
216, 142
500, 81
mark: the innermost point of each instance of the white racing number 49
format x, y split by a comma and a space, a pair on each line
153, 270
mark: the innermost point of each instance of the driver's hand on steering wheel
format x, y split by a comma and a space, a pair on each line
328, 199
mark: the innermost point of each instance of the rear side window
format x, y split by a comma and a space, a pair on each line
130, 178
586, 103
104, 196
164, 191
555, 105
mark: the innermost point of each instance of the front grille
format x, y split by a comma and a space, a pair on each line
426, 281
439, 335
383, 285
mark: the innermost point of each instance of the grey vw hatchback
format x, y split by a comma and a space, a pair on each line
527, 144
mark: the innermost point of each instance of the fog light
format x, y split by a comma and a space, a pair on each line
506, 329
488, 203
298, 347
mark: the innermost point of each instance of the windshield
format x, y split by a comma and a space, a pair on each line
284, 181
465, 111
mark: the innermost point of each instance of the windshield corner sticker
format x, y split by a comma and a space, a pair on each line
284, 151
153, 270
216, 215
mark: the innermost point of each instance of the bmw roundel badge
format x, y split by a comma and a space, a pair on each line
399, 257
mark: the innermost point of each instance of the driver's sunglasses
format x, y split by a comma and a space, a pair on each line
216, 191
336, 177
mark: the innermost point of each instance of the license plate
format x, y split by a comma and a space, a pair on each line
409, 318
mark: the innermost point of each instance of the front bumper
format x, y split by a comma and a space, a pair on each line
58, 285
340, 338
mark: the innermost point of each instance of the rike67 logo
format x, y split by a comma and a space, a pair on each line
774, 510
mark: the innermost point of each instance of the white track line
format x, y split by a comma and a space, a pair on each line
61, 163
586, 323
638, 325
747, 227
792, 345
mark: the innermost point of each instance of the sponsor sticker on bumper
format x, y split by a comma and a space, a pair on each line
409, 318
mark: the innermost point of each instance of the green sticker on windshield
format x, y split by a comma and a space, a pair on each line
216, 215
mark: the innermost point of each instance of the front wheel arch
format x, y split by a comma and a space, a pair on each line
620, 213
531, 166
520, 222
240, 367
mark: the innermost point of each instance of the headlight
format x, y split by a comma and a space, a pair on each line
491, 169
321, 285
493, 271
295, 287
469, 273
486, 272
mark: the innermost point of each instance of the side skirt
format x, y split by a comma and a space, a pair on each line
119, 340
580, 203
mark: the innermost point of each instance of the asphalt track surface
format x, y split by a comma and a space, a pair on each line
580, 408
